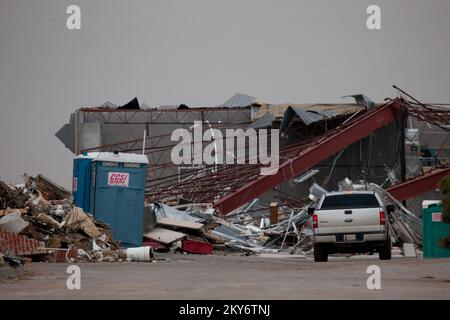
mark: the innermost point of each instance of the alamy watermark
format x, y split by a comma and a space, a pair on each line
73, 281
373, 21
189, 149
374, 280
73, 21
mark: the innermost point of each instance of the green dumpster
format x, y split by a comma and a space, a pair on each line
433, 231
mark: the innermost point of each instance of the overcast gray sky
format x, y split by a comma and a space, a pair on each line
200, 53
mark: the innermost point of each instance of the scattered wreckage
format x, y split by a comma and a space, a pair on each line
39, 222
249, 230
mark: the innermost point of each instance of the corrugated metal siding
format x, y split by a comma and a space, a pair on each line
264, 121
239, 100
307, 116
326, 114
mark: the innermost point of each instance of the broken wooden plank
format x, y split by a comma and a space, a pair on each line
164, 236
273, 213
8, 211
212, 238
51, 189
179, 223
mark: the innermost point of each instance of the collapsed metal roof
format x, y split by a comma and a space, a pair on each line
263, 115
279, 109
308, 113
239, 100
362, 100
263, 122
307, 116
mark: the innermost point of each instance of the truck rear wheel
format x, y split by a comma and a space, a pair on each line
385, 250
320, 253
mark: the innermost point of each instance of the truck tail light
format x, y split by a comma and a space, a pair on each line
315, 221
382, 218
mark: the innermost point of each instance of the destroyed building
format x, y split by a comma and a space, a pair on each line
135, 128
380, 147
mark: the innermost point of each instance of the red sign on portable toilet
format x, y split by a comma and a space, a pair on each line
120, 179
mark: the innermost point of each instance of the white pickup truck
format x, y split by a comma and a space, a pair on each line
351, 222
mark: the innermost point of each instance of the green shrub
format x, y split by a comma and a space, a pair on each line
445, 188
445, 242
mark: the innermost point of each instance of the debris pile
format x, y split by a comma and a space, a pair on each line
253, 230
405, 226
200, 230
38, 221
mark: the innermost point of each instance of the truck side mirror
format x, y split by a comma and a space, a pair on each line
311, 211
390, 208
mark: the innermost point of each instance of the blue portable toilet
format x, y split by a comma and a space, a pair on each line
117, 194
81, 182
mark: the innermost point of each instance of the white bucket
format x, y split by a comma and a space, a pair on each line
140, 254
